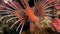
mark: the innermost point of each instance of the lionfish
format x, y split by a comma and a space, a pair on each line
34, 14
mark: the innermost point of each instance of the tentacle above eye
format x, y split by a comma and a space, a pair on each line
14, 24
5, 16
21, 29
5, 7
18, 26
10, 19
